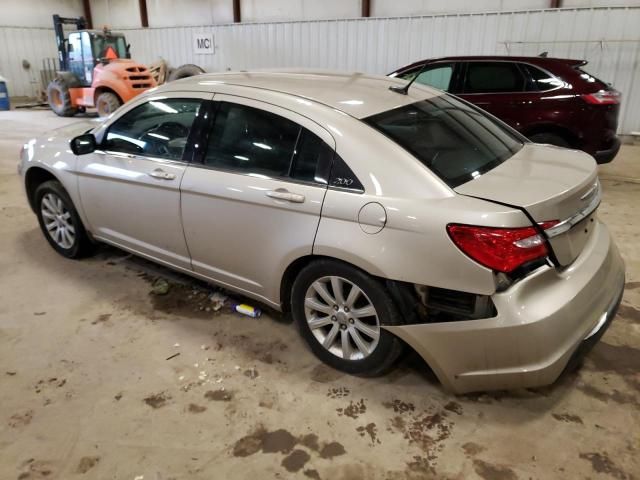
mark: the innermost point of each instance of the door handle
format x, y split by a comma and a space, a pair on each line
159, 173
282, 194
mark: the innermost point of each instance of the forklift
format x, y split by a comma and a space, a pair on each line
96, 70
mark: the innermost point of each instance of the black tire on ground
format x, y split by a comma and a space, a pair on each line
184, 71
388, 348
46, 196
107, 103
550, 139
59, 98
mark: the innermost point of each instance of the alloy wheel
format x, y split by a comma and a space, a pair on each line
342, 318
57, 220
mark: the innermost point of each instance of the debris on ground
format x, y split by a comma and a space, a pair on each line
247, 310
218, 300
172, 356
160, 287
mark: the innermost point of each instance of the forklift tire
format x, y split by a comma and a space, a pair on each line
107, 103
60, 98
184, 71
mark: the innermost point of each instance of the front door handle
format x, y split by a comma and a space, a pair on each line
159, 173
282, 194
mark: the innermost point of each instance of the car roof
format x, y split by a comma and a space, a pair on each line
356, 94
541, 61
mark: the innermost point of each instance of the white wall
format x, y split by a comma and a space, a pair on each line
117, 13
282, 10
395, 8
30, 13
173, 13
164, 13
189, 12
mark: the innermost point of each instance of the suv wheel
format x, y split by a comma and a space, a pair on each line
550, 139
60, 222
339, 310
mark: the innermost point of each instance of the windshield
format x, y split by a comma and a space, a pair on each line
101, 44
456, 141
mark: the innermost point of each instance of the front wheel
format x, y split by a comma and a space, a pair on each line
340, 311
60, 222
107, 103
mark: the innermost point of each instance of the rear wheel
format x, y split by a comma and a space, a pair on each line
59, 98
550, 139
107, 103
60, 222
340, 311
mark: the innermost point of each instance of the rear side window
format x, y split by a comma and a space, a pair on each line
540, 81
250, 140
493, 77
311, 159
456, 141
437, 76
158, 128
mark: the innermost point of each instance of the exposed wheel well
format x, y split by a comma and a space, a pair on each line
397, 290
292, 271
289, 277
562, 132
35, 177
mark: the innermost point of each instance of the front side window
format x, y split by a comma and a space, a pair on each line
437, 76
456, 141
158, 128
493, 77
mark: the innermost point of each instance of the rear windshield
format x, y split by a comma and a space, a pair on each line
587, 77
456, 141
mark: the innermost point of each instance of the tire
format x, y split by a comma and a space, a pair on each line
550, 139
184, 71
379, 355
54, 205
107, 103
59, 98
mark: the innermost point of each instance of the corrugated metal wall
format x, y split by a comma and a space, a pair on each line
30, 44
608, 37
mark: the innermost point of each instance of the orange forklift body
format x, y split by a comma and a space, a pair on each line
124, 77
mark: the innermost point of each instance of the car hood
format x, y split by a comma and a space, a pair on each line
76, 128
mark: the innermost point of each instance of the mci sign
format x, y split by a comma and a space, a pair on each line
203, 44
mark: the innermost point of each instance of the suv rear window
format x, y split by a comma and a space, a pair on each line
456, 141
493, 77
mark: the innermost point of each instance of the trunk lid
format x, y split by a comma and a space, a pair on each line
549, 183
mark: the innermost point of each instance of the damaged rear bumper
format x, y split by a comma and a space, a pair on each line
541, 323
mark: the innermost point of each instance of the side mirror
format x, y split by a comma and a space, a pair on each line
83, 144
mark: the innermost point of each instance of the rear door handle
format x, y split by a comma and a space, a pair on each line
282, 194
159, 173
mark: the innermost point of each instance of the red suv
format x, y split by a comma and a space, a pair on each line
549, 100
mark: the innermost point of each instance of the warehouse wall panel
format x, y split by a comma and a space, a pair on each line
607, 37
31, 45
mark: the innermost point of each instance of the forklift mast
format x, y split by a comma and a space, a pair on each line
58, 28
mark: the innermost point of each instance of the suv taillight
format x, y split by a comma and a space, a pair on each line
500, 249
602, 97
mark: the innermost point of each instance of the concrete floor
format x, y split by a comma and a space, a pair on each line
87, 389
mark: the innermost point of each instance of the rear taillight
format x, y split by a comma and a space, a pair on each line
500, 249
602, 97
